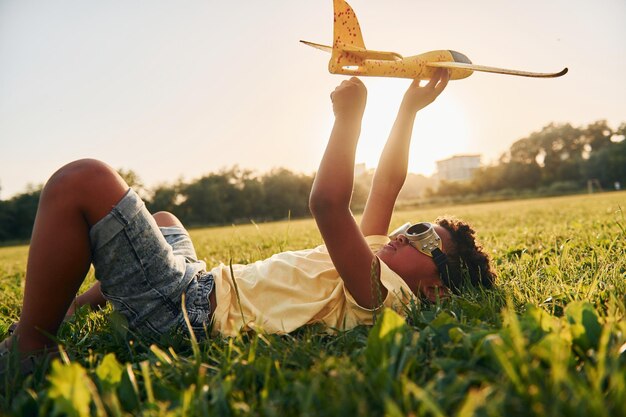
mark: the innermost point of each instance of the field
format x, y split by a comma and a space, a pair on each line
551, 340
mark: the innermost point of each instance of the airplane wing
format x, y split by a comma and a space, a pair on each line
448, 64
324, 48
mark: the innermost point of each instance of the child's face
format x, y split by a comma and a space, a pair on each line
416, 268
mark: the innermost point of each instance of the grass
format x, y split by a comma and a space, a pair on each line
551, 340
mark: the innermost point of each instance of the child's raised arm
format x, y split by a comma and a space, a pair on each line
392, 166
332, 190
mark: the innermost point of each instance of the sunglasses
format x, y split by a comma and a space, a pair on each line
424, 238
421, 236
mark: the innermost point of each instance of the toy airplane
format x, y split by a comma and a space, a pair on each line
350, 57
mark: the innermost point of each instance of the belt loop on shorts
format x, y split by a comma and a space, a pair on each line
115, 212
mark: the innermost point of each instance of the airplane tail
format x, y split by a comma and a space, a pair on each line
346, 30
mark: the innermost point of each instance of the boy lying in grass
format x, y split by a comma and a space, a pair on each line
145, 263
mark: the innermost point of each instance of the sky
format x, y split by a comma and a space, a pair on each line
178, 89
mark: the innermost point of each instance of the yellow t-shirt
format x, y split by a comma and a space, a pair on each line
291, 289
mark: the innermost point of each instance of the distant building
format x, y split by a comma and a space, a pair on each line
457, 167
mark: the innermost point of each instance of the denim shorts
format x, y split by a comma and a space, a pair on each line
144, 270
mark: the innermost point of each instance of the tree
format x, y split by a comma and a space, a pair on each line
134, 181
286, 194
597, 136
5, 221
165, 198
208, 200
17, 215
523, 151
608, 165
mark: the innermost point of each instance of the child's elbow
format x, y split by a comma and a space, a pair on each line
321, 203
317, 204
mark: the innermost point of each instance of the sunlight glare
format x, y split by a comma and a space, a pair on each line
441, 129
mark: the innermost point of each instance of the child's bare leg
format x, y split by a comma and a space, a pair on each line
166, 219
74, 199
93, 296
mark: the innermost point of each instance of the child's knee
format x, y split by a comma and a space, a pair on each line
166, 219
90, 186
84, 174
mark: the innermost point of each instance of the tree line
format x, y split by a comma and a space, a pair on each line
559, 158
228, 196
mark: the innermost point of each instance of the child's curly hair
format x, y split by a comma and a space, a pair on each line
467, 261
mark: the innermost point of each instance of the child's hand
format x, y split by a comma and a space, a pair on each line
416, 97
349, 99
